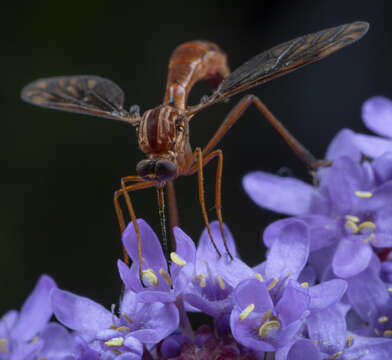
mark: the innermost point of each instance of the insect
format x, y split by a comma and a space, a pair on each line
163, 132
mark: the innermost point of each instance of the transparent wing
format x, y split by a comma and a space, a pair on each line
83, 94
285, 58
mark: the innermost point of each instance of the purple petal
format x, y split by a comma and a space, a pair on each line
243, 332
170, 347
343, 144
372, 146
57, 342
254, 292
152, 253
130, 277
80, 314
156, 296
290, 251
370, 349
368, 294
328, 328
380, 198
377, 115
133, 345
322, 230
292, 305
156, 322
297, 351
283, 195
382, 166
185, 247
205, 248
234, 271
327, 293
352, 256
36, 311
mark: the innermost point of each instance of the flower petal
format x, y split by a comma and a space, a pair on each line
326, 293
343, 144
205, 249
328, 328
351, 257
57, 340
152, 253
382, 166
129, 276
289, 253
281, 194
368, 294
297, 350
80, 314
293, 304
254, 292
377, 115
372, 146
156, 321
36, 311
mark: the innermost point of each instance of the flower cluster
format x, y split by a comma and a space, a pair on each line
324, 290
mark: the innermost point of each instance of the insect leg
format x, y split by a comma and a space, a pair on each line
295, 145
218, 194
173, 211
125, 192
198, 156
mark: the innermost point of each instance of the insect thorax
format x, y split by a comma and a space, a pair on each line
158, 130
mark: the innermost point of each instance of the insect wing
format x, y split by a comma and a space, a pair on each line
285, 58
83, 94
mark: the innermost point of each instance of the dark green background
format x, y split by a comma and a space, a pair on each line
59, 170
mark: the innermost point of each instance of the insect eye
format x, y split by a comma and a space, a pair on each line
165, 170
145, 168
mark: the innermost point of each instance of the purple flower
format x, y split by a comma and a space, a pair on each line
348, 212
158, 284
377, 116
262, 322
124, 334
28, 335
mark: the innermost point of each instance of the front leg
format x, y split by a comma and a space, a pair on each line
197, 162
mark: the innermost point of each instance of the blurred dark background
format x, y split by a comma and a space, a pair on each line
59, 170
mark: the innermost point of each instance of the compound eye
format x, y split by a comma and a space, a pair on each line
165, 170
145, 168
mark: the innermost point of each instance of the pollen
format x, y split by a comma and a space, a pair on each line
363, 194
115, 342
221, 283
315, 341
351, 226
266, 316
349, 341
126, 317
245, 313
150, 277
352, 218
177, 259
123, 329
166, 276
202, 280
377, 332
383, 319
370, 237
367, 225
268, 328
273, 283
305, 284
338, 354
3, 348
259, 277
388, 333
390, 289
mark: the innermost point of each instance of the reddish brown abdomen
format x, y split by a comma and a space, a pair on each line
191, 62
